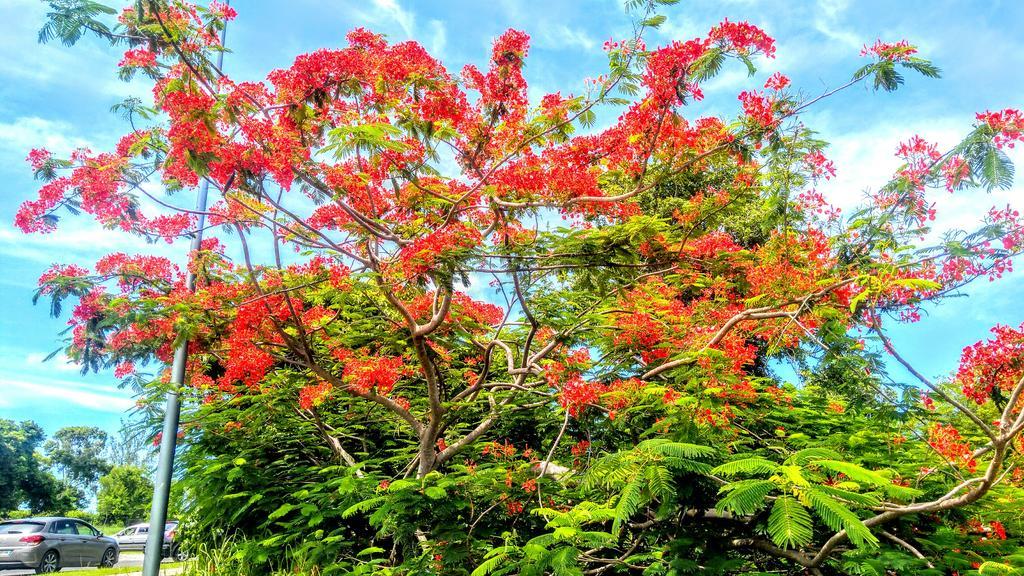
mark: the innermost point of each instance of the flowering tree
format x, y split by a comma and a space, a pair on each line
612, 405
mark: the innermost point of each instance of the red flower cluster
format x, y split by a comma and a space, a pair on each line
313, 395
892, 51
744, 38
946, 441
1007, 124
819, 165
378, 373
503, 88
777, 81
138, 57
37, 157
427, 252
759, 108
95, 184
997, 363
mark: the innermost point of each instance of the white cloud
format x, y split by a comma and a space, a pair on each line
865, 160
563, 37
78, 239
28, 132
828, 23
22, 391
390, 9
438, 38
36, 361
390, 17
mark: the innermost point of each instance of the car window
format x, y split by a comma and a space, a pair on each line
21, 527
143, 530
86, 529
64, 527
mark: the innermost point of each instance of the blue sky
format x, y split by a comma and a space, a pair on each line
59, 98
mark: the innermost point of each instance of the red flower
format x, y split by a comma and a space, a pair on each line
758, 108
998, 529
892, 51
1007, 124
138, 57
777, 82
313, 395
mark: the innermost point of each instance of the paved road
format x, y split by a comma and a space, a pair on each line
127, 560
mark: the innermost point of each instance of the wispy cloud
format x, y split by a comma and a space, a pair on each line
59, 363
22, 391
26, 132
80, 239
828, 21
391, 17
560, 37
390, 9
866, 160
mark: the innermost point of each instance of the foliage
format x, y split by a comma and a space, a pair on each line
400, 362
25, 480
78, 453
124, 496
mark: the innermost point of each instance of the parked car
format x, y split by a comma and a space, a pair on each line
49, 544
172, 547
133, 537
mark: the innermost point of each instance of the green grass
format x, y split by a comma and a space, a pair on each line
109, 529
111, 571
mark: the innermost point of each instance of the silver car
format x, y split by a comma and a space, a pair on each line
49, 544
133, 537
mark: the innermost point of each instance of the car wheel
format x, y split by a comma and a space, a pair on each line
180, 555
49, 563
109, 558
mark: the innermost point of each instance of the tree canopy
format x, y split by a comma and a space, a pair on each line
79, 454
25, 479
124, 495
435, 327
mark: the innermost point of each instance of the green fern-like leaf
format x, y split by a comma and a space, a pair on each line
816, 453
854, 472
362, 507
837, 516
923, 67
630, 500
659, 480
996, 169
849, 496
746, 496
746, 466
563, 561
789, 523
676, 449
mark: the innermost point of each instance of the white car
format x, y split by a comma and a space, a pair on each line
133, 537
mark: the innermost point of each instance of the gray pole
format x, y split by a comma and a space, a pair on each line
172, 412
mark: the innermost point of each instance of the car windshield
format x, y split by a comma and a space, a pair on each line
20, 527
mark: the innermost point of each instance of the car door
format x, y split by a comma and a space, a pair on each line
92, 547
69, 546
139, 538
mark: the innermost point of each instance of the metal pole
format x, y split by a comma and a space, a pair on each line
172, 412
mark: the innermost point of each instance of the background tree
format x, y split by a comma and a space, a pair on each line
21, 473
130, 447
25, 481
610, 406
79, 454
124, 496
